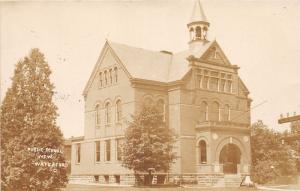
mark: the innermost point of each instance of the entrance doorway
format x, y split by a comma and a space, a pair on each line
230, 157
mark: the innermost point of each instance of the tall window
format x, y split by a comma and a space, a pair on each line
110, 76
214, 83
116, 74
118, 110
119, 149
226, 113
161, 108
202, 152
105, 77
107, 150
100, 80
107, 113
204, 111
229, 86
205, 82
204, 32
78, 153
192, 33
199, 81
98, 115
97, 151
148, 101
222, 85
215, 112
198, 32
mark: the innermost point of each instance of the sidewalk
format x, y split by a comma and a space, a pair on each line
279, 187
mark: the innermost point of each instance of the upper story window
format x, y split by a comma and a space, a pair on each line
148, 102
107, 113
214, 114
229, 86
161, 108
78, 154
110, 76
214, 83
203, 111
118, 111
226, 113
105, 77
100, 79
116, 74
98, 115
198, 32
213, 80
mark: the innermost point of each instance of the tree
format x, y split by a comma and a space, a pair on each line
295, 127
148, 142
28, 120
270, 158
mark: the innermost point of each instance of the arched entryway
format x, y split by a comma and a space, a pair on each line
230, 157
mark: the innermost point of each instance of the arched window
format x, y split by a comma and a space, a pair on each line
198, 32
226, 113
116, 74
98, 115
204, 32
161, 108
110, 76
202, 152
107, 113
118, 110
148, 102
100, 80
105, 77
192, 34
204, 111
215, 112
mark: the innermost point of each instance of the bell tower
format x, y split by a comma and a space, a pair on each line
198, 26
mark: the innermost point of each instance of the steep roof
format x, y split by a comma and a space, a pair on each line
155, 65
143, 64
161, 66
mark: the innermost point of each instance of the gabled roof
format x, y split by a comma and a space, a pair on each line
144, 64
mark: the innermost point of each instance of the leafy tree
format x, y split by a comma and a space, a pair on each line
28, 120
148, 142
295, 127
270, 158
294, 137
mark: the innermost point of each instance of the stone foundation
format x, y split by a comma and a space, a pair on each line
200, 180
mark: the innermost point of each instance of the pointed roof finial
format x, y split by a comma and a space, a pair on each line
198, 13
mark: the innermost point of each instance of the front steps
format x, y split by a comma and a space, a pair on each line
220, 180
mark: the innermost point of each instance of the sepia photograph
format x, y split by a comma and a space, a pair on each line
150, 95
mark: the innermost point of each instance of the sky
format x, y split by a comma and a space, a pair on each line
260, 36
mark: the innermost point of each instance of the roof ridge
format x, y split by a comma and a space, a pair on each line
136, 47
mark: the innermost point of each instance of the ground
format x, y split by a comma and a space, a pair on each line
74, 187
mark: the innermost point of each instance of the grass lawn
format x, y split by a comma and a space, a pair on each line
76, 187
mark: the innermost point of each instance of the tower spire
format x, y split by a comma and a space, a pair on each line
198, 13
198, 25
